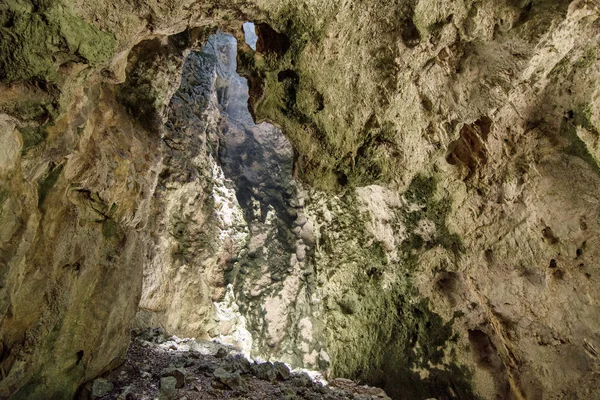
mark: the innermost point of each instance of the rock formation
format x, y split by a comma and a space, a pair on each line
196, 369
423, 216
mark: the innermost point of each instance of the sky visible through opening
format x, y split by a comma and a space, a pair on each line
250, 35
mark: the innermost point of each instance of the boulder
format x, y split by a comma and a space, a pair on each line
177, 373
100, 387
232, 380
168, 386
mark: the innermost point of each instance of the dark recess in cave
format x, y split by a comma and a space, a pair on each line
271, 41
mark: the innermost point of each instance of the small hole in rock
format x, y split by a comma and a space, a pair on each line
447, 281
271, 41
489, 255
374, 272
549, 235
342, 179
287, 74
410, 34
553, 263
320, 102
79, 356
558, 273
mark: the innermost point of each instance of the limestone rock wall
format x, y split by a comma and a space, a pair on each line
73, 244
488, 101
192, 245
79, 169
449, 155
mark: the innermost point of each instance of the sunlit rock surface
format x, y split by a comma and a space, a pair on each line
248, 235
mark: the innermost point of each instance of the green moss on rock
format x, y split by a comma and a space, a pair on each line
83, 39
380, 330
381, 337
422, 191
32, 136
329, 157
278, 92
28, 110
47, 183
36, 37
111, 230
66, 372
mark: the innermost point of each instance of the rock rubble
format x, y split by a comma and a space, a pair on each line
165, 367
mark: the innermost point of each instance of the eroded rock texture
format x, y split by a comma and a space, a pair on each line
434, 231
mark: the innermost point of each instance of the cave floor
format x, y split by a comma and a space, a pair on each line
164, 368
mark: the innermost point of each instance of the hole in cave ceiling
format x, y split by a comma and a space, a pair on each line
250, 36
258, 158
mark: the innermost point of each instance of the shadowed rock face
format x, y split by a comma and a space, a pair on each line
258, 158
437, 238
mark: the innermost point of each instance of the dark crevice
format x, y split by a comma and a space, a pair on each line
410, 33
271, 41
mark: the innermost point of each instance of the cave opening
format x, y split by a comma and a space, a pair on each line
243, 232
256, 160
246, 239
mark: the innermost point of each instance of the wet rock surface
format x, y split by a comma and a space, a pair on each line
166, 367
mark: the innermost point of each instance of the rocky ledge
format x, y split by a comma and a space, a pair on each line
166, 367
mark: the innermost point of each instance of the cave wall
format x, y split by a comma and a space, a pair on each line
473, 125
497, 103
81, 159
72, 243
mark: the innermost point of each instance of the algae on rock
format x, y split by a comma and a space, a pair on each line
36, 37
48, 182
